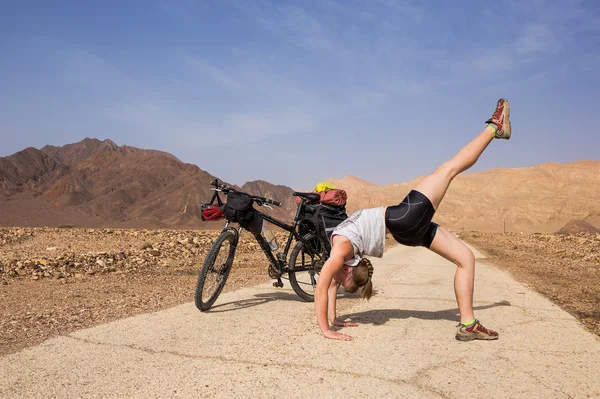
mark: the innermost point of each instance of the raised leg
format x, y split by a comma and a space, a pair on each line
436, 184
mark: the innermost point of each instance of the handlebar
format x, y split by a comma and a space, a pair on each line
259, 200
269, 201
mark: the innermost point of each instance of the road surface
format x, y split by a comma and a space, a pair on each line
263, 342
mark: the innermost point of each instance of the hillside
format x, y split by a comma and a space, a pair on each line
96, 183
542, 198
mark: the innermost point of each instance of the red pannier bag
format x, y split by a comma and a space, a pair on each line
335, 197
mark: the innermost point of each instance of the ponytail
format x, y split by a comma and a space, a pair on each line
362, 274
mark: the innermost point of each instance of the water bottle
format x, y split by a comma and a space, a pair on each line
270, 238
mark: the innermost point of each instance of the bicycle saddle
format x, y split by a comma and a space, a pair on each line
311, 198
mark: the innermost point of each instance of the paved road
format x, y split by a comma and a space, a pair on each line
262, 342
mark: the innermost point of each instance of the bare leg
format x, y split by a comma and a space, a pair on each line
447, 245
435, 185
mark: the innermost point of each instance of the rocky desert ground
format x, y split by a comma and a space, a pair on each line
563, 267
57, 280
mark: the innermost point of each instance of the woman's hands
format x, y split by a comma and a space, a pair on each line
337, 335
330, 334
341, 323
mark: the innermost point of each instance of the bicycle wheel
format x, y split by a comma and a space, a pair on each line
306, 261
215, 270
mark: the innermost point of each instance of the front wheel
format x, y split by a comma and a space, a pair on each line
306, 261
215, 270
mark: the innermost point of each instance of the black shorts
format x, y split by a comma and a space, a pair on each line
410, 221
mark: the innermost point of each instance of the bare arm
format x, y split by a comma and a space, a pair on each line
332, 309
332, 298
342, 248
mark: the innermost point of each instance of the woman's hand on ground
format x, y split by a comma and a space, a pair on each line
330, 334
342, 323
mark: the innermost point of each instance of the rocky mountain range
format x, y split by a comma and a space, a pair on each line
96, 183
542, 198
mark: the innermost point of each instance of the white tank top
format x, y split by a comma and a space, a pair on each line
366, 231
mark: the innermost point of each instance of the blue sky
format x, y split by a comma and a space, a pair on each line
296, 91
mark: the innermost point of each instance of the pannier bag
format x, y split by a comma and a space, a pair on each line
324, 219
334, 197
239, 209
329, 195
330, 211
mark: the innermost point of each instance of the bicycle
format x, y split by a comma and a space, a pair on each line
306, 259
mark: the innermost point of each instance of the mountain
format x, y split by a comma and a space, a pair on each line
286, 211
28, 169
96, 183
541, 198
578, 226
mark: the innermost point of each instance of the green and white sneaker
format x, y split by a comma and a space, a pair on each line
474, 331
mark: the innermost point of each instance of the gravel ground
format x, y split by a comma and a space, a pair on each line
54, 281
563, 267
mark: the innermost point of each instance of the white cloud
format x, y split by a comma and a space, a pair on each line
93, 72
238, 129
404, 8
218, 75
256, 126
495, 62
537, 38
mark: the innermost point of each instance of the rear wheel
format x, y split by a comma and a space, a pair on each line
215, 270
306, 261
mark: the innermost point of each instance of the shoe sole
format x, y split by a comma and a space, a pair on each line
473, 337
507, 128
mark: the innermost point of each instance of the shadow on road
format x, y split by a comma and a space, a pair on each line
259, 299
382, 316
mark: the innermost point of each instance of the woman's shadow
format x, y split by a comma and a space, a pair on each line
382, 316
376, 317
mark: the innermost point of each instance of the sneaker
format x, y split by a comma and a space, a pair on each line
501, 119
476, 331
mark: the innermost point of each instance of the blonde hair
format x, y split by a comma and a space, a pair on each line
361, 275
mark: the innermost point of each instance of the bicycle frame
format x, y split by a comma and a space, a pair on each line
277, 259
306, 256
289, 228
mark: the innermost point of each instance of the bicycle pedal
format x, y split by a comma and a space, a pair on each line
277, 284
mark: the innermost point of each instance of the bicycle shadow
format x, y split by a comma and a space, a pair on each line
381, 316
259, 299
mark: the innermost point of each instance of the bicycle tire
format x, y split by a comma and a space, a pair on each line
220, 275
304, 282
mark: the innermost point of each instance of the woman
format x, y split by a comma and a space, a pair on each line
410, 223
